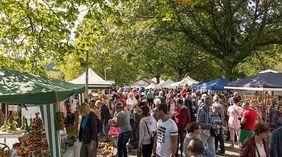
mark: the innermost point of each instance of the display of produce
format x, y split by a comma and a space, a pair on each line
12, 125
76, 121
5, 125
24, 124
60, 120
9, 126
4, 150
67, 143
34, 142
106, 149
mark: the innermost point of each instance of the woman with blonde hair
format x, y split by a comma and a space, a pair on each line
88, 133
123, 122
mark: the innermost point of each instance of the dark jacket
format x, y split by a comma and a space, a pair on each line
249, 148
90, 132
105, 114
276, 143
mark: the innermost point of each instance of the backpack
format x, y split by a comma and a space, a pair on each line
99, 124
150, 95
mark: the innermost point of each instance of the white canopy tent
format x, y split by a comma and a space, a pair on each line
94, 80
187, 80
165, 84
151, 86
155, 80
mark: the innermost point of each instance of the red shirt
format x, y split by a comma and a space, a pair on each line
181, 117
250, 116
183, 93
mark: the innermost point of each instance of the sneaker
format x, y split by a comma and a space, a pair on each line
220, 153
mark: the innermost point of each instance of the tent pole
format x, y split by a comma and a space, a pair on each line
6, 110
86, 79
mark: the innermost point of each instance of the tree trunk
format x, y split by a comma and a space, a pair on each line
181, 73
228, 71
158, 78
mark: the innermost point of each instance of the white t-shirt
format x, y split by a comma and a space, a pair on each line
164, 131
260, 150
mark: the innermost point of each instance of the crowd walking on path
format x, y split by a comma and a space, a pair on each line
177, 122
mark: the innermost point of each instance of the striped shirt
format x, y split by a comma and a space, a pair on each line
164, 131
217, 119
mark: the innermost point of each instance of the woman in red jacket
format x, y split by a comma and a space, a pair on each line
257, 146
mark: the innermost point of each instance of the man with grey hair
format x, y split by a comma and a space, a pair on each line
157, 101
204, 117
161, 96
216, 102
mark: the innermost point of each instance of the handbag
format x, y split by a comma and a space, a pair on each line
151, 137
207, 132
213, 132
76, 149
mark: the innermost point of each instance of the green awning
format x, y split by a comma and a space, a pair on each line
23, 88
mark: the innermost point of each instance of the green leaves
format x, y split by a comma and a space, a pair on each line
141, 38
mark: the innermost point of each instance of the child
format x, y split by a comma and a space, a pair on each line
195, 147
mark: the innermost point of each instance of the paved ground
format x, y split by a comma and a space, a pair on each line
229, 152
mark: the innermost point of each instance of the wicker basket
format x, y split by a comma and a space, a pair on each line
4, 150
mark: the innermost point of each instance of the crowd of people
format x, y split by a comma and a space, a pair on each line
166, 123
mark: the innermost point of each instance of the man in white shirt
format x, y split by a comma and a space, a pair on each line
165, 144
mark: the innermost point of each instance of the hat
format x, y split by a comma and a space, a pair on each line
157, 101
204, 96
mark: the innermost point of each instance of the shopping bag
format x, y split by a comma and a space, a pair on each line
114, 132
76, 149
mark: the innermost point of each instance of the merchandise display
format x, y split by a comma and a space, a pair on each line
4, 150
34, 142
60, 120
106, 149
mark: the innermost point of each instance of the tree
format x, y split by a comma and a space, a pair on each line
34, 32
229, 30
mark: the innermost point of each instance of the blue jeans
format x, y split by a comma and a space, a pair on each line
209, 142
121, 144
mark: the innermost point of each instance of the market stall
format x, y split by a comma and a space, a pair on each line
95, 81
264, 84
217, 84
185, 81
23, 88
263, 81
151, 86
165, 84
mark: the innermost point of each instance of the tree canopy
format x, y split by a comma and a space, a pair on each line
205, 39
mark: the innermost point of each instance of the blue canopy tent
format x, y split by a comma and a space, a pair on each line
260, 82
197, 86
217, 84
